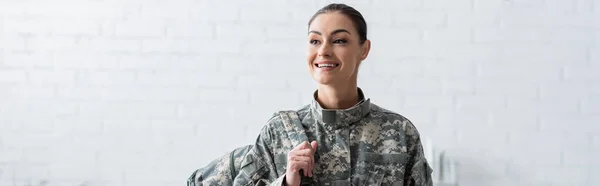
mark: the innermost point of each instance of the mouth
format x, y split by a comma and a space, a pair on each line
326, 65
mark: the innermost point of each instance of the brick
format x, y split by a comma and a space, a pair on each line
303, 11
458, 118
533, 156
256, 13
390, 36
12, 76
73, 27
28, 60
557, 6
486, 102
294, 32
523, 35
458, 87
428, 86
276, 99
440, 5
590, 105
68, 60
10, 155
515, 72
51, 44
114, 45
448, 70
593, 53
34, 27
164, 131
135, 28
97, 109
515, 120
582, 72
216, 47
448, 35
577, 158
214, 12
31, 92
428, 20
106, 77
507, 88
477, 19
398, 5
73, 125
39, 77
560, 105
190, 28
560, 123
161, 10
166, 46
186, 79
371, 84
261, 82
280, 48
537, 55
12, 42
240, 31
428, 101
52, 108
573, 36
471, 138
575, 88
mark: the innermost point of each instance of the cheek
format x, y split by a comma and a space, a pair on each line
310, 55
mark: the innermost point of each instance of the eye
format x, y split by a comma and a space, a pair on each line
314, 41
340, 41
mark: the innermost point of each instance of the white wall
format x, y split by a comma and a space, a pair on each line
144, 92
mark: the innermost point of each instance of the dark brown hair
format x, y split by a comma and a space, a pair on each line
353, 14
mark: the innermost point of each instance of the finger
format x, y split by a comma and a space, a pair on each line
300, 165
301, 146
301, 158
304, 152
307, 153
314, 146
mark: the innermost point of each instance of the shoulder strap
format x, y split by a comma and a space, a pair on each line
293, 126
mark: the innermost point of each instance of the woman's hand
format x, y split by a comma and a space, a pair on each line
300, 158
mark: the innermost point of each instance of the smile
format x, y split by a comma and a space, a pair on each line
327, 65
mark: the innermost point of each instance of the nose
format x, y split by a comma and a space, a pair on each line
325, 50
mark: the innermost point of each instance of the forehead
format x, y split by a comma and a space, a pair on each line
328, 22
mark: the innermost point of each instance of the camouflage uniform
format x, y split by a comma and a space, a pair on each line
362, 145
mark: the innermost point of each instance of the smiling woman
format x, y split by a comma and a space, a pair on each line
347, 139
340, 138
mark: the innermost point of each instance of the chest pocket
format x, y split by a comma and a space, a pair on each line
381, 169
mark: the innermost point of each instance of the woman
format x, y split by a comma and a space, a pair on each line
352, 141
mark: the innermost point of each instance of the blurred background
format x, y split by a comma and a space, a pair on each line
131, 92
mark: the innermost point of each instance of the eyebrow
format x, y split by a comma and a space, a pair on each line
334, 32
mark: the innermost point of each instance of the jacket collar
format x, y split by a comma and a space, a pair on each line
339, 118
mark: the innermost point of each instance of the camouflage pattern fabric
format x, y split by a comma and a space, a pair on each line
363, 145
220, 171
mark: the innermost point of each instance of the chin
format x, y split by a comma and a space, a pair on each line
324, 80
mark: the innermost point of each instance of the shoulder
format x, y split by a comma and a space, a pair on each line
389, 117
275, 126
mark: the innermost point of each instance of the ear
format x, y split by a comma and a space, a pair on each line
365, 48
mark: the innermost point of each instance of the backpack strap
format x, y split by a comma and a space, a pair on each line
293, 127
296, 134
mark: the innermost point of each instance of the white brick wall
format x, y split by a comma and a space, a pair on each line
144, 92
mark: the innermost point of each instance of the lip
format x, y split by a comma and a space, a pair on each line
327, 62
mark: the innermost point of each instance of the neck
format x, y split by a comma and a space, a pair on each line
337, 96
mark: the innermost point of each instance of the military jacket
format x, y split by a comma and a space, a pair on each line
362, 145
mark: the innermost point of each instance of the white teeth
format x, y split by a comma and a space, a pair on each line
326, 65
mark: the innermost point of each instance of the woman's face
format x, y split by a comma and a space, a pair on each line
334, 50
